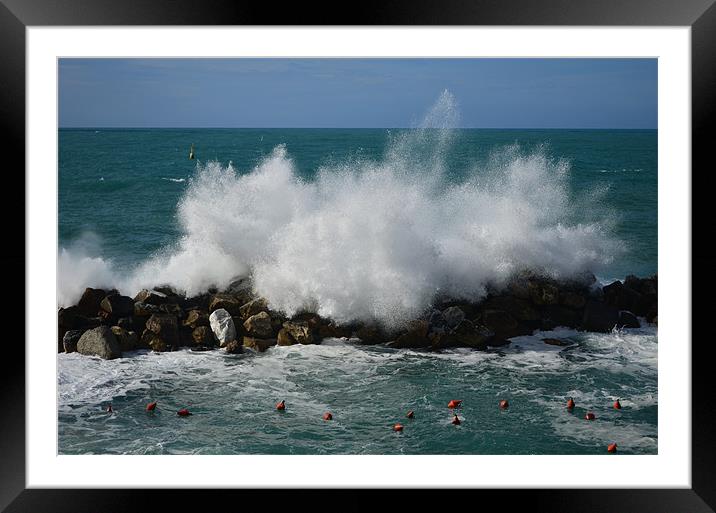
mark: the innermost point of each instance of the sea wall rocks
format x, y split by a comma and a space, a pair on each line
108, 323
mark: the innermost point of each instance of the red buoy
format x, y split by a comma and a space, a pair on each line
589, 416
281, 406
617, 405
183, 412
398, 428
151, 406
455, 420
570, 404
454, 404
327, 416
504, 404
411, 414
612, 447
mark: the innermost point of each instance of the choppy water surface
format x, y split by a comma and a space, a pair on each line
368, 389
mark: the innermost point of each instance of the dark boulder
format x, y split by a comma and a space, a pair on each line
259, 325
100, 342
203, 336
453, 316
89, 303
543, 292
300, 332
144, 310
69, 341
416, 336
259, 344
599, 316
555, 315
128, 340
252, 308
165, 327
518, 308
466, 334
116, 306
556, 342
234, 347
227, 302
502, 324
196, 318
371, 335
284, 339
332, 330
572, 299
127, 323
172, 309
151, 297
627, 320
621, 297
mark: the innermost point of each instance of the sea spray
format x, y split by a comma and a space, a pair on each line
376, 239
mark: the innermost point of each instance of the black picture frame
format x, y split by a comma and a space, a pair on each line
16, 15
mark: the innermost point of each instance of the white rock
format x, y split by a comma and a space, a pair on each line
223, 326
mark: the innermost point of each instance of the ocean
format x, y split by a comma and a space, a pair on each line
358, 224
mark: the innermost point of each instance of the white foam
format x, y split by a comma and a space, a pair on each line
376, 239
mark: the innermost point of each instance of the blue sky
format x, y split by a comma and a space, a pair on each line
262, 93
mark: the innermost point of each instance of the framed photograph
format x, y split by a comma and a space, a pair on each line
419, 248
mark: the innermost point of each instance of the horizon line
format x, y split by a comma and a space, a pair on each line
337, 128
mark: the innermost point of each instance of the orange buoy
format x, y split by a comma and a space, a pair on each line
617, 405
456, 420
589, 416
504, 404
327, 416
454, 404
109, 409
183, 412
612, 447
398, 428
411, 414
281, 406
570, 404
151, 406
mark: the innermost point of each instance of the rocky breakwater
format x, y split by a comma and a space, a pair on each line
107, 324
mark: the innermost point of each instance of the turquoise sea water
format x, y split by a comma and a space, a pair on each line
129, 197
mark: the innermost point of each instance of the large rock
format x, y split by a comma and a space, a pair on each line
518, 308
599, 316
623, 298
144, 310
284, 339
415, 337
151, 340
234, 347
223, 326
172, 309
150, 297
370, 335
299, 331
453, 316
226, 302
572, 299
203, 336
259, 325
259, 344
166, 328
128, 340
252, 308
502, 324
115, 306
89, 304
332, 330
69, 341
100, 342
555, 315
196, 318
543, 292
466, 334
627, 320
